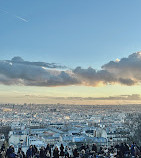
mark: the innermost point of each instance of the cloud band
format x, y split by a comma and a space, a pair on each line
126, 71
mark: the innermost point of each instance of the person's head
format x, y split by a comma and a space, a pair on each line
83, 151
12, 147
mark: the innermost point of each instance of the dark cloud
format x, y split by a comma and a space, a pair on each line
126, 71
127, 81
44, 64
20, 72
92, 77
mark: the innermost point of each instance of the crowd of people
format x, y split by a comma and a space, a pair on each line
84, 151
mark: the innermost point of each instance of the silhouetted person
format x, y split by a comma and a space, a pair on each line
75, 153
42, 152
12, 153
66, 152
61, 150
34, 149
9, 151
82, 147
94, 148
133, 149
48, 149
56, 152
29, 152
20, 153
3, 147
101, 151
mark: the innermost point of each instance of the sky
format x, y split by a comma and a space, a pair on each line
70, 51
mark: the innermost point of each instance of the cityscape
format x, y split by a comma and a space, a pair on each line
70, 125
70, 79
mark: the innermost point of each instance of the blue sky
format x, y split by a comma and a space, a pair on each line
72, 33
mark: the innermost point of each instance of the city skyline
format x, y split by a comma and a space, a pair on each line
72, 52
